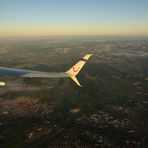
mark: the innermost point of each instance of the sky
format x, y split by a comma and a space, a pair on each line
73, 17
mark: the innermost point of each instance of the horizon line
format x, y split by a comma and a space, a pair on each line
130, 35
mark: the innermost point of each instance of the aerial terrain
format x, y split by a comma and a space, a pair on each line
110, 110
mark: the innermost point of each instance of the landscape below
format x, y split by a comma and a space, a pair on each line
110, 110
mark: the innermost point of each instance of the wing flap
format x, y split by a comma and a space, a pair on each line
45, 75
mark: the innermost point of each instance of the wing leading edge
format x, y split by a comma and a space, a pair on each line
72, 72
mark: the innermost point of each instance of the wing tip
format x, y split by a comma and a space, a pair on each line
87, 56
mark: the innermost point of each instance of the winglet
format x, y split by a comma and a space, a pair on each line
76, 80
72, 72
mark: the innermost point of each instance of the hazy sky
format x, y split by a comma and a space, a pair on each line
73, 17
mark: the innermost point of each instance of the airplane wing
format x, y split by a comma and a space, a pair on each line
72, 72
29, 73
